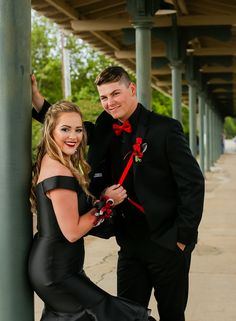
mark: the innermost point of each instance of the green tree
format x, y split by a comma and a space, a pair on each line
162, 104
230, 127
46, 57
85, 64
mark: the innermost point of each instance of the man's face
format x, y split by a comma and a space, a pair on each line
118, 99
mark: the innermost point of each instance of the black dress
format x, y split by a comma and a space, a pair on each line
56, 269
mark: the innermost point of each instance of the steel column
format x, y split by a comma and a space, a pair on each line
201, 131
192, 120
176, 71
16, 297
207, 132
143, 63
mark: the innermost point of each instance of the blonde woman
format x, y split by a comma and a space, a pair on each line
60, 197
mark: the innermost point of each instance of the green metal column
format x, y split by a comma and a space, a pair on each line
217, 137
214, 137
176, 72
201, 131
192, 119
16, 299
142, 13
207, 132
211, 135
143, 62
222, 150
218, 128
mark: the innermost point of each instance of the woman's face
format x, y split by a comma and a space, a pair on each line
68, 132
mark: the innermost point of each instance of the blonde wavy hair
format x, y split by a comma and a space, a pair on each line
76, 163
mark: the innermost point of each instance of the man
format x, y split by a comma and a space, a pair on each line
155, 246
156, 227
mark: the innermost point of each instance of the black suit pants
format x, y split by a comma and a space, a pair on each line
166, 271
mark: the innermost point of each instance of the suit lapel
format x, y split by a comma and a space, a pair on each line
141, 130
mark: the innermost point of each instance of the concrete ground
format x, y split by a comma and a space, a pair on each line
212, 294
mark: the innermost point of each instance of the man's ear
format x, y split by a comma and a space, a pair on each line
133, 88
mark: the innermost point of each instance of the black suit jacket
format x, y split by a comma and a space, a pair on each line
168, 181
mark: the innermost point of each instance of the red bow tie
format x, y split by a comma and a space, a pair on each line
126, 127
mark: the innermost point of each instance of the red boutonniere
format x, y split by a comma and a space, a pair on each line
138, 149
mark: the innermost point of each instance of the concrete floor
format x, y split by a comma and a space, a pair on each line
212, 294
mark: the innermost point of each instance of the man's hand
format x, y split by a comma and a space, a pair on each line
181, 246
37, 98
116, 192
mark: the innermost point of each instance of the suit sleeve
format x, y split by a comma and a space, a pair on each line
190, 184
40, 116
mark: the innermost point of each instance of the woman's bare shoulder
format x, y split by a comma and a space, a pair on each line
51, 167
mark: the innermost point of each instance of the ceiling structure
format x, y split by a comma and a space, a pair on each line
205, 31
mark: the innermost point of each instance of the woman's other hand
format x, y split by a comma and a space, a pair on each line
37, 98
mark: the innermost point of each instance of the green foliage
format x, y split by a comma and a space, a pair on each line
161, 104
90, 110
230, 127
36, 135
46, 57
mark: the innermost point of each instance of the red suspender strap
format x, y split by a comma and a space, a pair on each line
136, 153
139, 207
126, 170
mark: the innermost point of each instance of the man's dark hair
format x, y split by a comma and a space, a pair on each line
113, 74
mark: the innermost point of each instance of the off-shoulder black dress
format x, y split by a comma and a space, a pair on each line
56, 269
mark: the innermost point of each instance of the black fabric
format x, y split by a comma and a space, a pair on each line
41, 115
105, 230
56, 269
166, 272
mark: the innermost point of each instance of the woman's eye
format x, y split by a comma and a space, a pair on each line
65, 129
79, 130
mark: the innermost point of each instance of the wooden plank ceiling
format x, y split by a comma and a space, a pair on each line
105, 25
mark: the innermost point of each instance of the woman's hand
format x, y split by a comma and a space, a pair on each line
37, 98
117, 193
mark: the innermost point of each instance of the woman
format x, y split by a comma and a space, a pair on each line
60, 196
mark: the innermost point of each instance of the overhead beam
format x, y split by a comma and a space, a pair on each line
125, 54
182, 6
100, 25
206, 20
161, 52
159, 21
167, 83
219, 81
218, 69
106, 9
82, 3
217, 51
107, 39
161, 72
62, 6
70, 12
